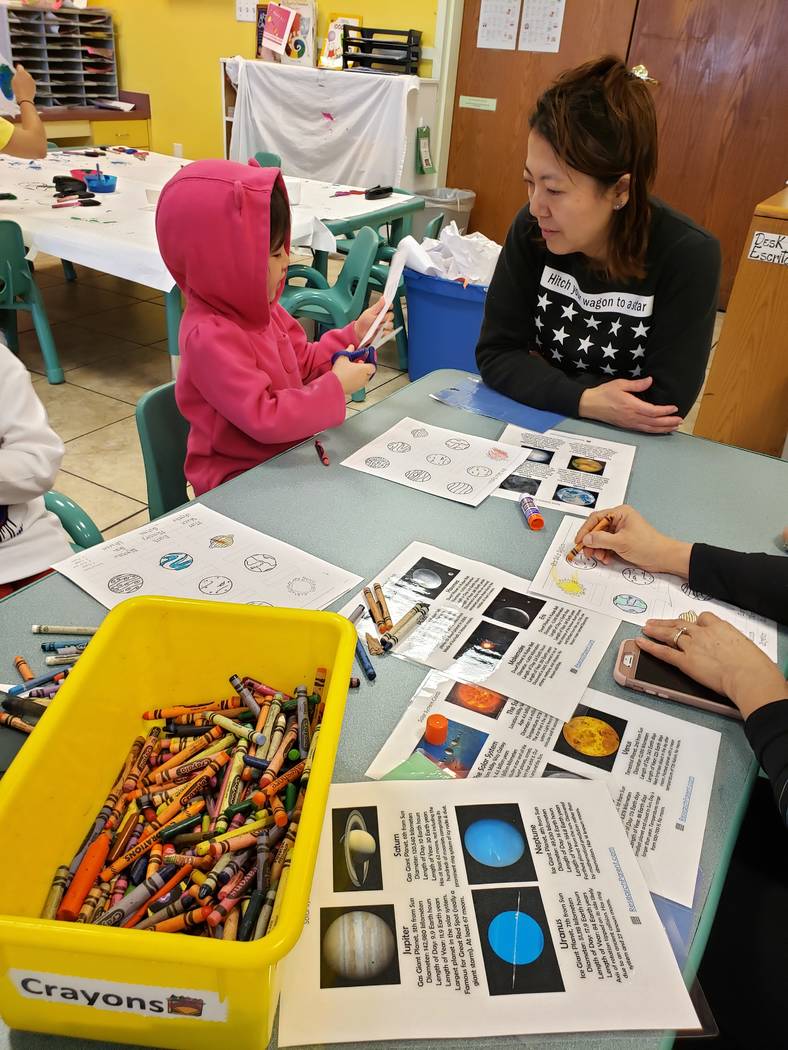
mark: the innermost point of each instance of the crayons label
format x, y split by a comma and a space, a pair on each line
143, 1000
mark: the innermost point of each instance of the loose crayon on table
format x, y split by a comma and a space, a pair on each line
34, 683
577, 550
366, 664
245, 694
374, 646
322, 456
63, 647
23, 669
380, 598
418, 614
372, 605
22, 707
43, 692
40, 628
61, 660
303, 720
354, 683
12, 722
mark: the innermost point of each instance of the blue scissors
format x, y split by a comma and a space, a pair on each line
367, 354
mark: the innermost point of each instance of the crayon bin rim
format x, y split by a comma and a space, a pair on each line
137, 944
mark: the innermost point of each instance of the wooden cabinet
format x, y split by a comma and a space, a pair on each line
120, 133
746, 398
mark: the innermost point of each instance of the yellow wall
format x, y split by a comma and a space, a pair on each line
171, 50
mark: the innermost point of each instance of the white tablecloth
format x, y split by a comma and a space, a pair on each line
120, 237
339, 126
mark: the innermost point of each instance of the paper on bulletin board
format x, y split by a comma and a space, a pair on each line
498, 907
278, 24
8, 106
540, 25
498, 24
659, 769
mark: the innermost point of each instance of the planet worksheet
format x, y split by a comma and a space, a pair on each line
483, 627
568, 472
659, 769
494, 907
446, 463
632, 594
198, 553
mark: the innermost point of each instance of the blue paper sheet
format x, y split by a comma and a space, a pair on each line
470, 394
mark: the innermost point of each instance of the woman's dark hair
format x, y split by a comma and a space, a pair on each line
600, 120
280, 218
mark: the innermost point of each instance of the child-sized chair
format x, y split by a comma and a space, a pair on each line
334, 306
268, 160
77, 523
18, 291
163, 432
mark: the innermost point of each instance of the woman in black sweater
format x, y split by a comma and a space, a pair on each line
744, 966
603, 300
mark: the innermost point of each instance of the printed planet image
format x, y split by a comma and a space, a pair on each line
477, 698
358, 946
592, 737
587, 465
494, 846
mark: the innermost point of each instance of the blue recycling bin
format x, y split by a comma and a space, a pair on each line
444, 321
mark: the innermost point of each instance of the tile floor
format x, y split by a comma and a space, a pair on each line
112, 341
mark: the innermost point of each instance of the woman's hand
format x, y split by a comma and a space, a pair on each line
23, 85
365, 321
718, 656
631, 537
616, 402
353, 375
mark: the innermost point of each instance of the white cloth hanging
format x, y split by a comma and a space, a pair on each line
339, 126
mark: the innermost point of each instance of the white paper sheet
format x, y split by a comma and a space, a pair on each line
431, 936
483, 627
446, 463
396, 266
498, 24
197, 553
568, 472
541, 25
632, 594
659, 769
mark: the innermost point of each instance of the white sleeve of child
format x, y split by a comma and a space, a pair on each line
30, 450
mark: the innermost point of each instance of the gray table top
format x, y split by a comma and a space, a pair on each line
686, 486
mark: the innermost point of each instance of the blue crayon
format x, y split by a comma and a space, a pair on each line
255, 763
45, 679
364, 660
64, 648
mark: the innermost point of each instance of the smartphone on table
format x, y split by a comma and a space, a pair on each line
641, 671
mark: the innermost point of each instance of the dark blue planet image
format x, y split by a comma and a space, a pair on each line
494, 843
176, 561
515, 937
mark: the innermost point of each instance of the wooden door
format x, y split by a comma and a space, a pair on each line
487, 151
722, 105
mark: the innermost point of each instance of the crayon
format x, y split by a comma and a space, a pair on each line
277, 735
249, 920
280, 893
188, 921
231, 901
22, 707
44, 692
23, 669
366, 664
266, 690
12, 722
169, 911
303, 720
374, 609
157, 713
198, 745
161, 891
40, 628
56, 891
84, 877
63, 647
380, 598
275, 761
292, 790
418, 614
203, 849
230, 930
357, 613
577, 550
374, 646
61, 660
34, 683
245, 694
355, 683
144, 844
90, 904
117, 915
278, 811
239, 731
322, 454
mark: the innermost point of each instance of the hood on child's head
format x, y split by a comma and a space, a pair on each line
213, 225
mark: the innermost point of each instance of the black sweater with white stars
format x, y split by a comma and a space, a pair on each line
553, 326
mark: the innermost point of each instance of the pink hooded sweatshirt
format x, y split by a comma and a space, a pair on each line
249, 384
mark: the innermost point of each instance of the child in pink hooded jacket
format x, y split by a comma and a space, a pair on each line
249, 383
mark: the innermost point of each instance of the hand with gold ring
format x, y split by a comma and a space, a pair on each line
718, 656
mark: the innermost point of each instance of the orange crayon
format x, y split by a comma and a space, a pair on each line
23, 669
578, 547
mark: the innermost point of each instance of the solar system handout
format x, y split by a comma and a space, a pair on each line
483, 627
634, 595
658, 769
198, 553
446, 463
569, 472
495, 907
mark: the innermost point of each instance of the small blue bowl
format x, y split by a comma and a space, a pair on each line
101, 183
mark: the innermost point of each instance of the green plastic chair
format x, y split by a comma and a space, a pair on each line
268, 160
334, 306
77, 523
163, 433
18, 291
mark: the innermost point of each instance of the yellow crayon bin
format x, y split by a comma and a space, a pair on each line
156, 989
